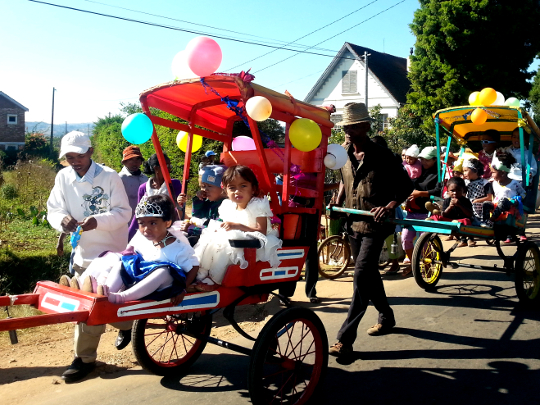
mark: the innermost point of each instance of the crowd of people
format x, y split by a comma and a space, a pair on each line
139, 248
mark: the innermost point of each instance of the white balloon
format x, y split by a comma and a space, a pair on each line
330, 161
499, 100
259, 108
340, 155
512, 102
180, 68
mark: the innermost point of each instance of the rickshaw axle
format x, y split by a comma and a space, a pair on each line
218, 342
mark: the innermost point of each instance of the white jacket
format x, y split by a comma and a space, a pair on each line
104, 199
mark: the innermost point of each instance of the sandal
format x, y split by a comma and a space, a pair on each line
206, 287
315, 300
407, 272
392, 270
449, 238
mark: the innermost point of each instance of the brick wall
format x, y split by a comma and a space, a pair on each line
11, 132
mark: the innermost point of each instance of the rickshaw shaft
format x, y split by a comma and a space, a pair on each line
218, 342
476, 266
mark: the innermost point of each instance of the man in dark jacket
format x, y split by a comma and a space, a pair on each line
373, 180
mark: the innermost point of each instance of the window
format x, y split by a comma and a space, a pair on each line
335, 118
349, 82
384, 122
11, 147
12, 118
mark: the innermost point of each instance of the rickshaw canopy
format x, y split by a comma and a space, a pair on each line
457, 122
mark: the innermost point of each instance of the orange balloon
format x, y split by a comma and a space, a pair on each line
487, 96
479, 116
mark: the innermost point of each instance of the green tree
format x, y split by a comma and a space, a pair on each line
465, 45
534, 98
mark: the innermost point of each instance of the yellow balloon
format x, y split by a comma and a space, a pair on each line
473, 98
182, 138
479, 116
305, 134
487, 96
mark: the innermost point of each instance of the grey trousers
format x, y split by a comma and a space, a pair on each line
86, 339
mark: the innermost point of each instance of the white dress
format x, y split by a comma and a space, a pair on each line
214, 251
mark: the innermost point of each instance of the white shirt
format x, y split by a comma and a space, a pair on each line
516, 152
99, 193
512, 189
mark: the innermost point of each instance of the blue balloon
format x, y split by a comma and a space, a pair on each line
137, 128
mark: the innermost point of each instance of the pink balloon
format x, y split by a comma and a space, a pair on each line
203, 56
243, 143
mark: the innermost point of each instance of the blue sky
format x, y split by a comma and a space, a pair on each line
96, 62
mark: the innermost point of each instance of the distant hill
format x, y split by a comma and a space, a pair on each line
59, 128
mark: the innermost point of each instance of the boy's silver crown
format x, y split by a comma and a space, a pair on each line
146, 209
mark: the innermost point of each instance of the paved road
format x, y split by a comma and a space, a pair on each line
467, 342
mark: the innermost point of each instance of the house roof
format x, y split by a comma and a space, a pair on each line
2, 94
391, 71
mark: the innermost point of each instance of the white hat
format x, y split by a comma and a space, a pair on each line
413, 151
74, 142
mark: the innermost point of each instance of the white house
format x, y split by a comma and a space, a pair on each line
344, 81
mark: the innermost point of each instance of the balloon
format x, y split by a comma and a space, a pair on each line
243, 143
479, 116
258, 108
182, 138
203, 56
499, 100
487, 96
330, 161
336, 157
512, 102
137, 128
180, 68
305, 134
473, 98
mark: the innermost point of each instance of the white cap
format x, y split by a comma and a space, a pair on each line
413, 151
74, 142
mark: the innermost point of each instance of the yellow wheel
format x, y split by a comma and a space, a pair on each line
427, 263
334, 256
527, 269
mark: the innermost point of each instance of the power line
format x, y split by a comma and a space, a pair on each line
178, 29
203, 25
298, 39
328, 39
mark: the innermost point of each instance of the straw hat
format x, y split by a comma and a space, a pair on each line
355, 113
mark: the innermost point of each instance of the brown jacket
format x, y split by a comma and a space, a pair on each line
374, 182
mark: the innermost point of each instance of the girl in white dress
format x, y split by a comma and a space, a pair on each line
157, 264
245, 215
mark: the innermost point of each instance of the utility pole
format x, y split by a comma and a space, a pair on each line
52, 120
366, 65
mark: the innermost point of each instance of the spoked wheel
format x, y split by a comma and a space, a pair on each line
334, 256
289, 359
427, 260
527, 277
162, 346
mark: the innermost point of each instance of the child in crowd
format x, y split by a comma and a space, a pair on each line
505, 190
155, 265
411, 162
206, 203
479, 190
456, 207
515, 151
245, 215
490, 143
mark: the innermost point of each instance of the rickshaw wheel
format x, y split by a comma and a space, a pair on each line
527, 275
161, 345
426, 261
334, 256
289, 359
